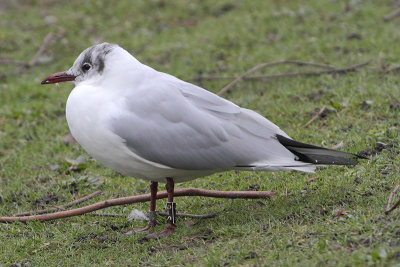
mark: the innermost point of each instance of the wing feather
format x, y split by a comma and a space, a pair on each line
183, 126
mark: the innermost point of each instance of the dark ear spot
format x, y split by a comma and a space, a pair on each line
106, 49
100, 59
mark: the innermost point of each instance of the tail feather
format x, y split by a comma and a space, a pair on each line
317, 155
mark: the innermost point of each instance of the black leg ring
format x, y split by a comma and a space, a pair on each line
171, 209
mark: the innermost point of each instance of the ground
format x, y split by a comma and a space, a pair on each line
334, 217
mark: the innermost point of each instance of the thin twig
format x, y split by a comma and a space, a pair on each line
161, 213
267, 64
106, 214
391, 196
140, 198
392, 208
196, 216
68, 205
329, 69
392, 69
305, 73
316, 116
46, 41
388, 208
35, 60
235, 81
392, 15
83, 199
53, 206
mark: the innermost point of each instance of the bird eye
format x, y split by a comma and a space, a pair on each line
86, 67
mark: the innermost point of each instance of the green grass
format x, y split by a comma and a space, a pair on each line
300, 225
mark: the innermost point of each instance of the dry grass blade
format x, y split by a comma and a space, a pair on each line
316, 116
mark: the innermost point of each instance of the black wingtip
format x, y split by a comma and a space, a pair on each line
360, 156
317, 155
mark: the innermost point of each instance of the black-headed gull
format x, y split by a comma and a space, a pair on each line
154, 126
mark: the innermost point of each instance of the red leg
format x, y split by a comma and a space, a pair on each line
170, 205
152, 221
171, 209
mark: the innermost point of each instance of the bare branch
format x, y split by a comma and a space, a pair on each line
70, 204
140, 198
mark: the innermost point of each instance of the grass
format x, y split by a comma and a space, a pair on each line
336, 220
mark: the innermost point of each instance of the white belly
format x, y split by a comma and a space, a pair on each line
87, 119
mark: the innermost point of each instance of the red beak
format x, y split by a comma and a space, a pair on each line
58, 78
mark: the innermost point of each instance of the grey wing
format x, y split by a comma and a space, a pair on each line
183, 126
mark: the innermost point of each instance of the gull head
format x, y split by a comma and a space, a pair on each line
91, 64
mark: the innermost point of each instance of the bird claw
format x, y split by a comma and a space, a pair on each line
149, 227
169, 229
